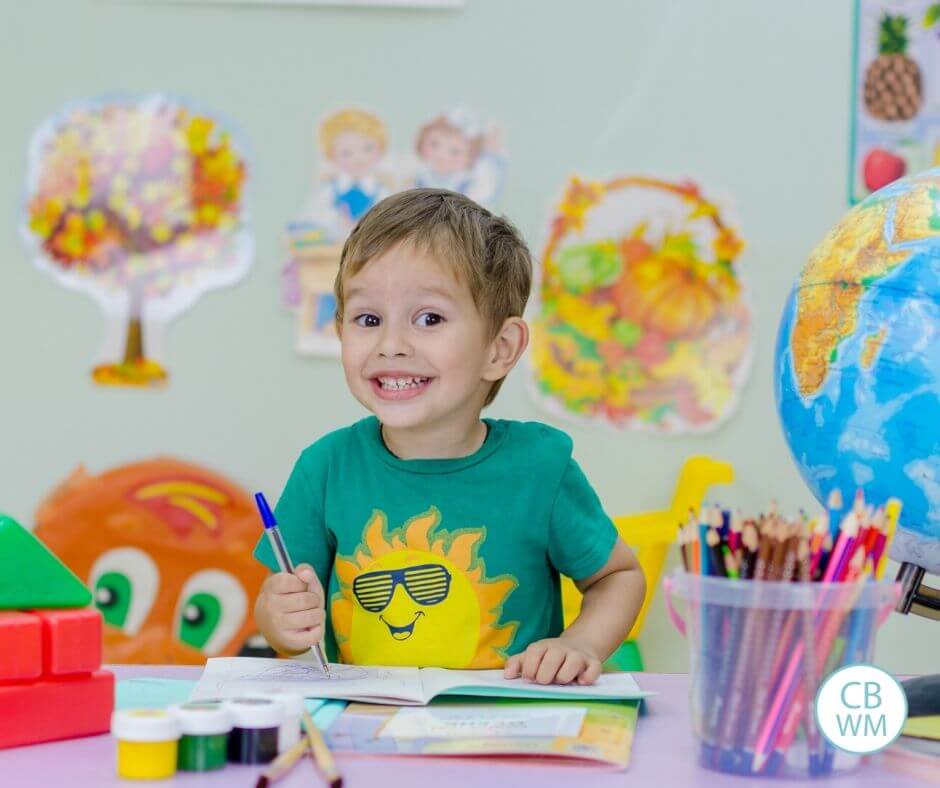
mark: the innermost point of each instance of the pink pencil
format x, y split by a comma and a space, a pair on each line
847, 532
830, 630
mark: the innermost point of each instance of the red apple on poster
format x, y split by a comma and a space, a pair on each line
881, 167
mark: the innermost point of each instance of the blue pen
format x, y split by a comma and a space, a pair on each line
283, 560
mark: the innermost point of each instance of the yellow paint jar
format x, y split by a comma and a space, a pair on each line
146, 743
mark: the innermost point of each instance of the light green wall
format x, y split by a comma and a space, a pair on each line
749, 98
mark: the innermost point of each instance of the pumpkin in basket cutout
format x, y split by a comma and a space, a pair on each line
642, 320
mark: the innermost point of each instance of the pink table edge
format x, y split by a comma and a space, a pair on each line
664, 754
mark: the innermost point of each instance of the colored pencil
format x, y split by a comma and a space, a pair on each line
892, 513
281, 765
320, 753
782, 566
809, 672
833, 507
787, 710
743, 651
759, 663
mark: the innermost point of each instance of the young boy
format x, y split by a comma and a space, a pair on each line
440, 536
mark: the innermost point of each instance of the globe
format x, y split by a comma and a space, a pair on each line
857, 361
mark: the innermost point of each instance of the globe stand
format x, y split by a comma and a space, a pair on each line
923, 692
916, 596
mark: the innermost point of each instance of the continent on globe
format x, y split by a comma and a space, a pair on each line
853, 257
858, 361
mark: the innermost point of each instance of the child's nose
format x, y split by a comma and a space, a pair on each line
393, 342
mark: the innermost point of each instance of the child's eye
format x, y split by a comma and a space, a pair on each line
429, 319
367, 321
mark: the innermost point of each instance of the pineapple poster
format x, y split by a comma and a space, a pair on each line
642, 320
896, 98
140, 203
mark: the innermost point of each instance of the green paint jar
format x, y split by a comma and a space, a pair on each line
203, 745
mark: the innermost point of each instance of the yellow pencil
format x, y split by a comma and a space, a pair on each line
892, 513
283, 764
321, 753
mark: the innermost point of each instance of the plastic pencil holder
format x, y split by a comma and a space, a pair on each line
758, 652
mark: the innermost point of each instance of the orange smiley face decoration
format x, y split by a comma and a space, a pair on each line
165, 546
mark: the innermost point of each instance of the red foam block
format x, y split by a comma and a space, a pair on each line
56, 709
71, 641
20, 646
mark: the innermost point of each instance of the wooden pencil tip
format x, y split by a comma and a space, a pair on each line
835, 499
262, 782
336, 782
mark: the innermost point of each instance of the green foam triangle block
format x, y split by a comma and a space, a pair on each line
30, 574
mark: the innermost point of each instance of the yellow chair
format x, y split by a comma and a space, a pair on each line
651, 534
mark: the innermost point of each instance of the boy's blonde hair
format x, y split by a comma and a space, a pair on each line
484, 250
346, 120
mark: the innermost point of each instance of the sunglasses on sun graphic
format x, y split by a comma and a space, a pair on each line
426, 584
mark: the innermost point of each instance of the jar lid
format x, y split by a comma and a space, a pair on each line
144, 725
255, 712
294, 704
203, 719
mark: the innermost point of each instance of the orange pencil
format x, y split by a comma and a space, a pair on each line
695, 547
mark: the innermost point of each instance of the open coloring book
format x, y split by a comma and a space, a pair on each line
234, 676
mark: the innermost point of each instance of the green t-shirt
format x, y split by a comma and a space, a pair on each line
441, 562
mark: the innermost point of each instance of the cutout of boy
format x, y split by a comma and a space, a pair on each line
440, 536
353, 143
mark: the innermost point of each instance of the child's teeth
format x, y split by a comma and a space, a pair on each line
401, 383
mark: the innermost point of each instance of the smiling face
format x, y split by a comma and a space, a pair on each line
437, 630
414, 346
416, 596
355, 154
446, 151
165, 547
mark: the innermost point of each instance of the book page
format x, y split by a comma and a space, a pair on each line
604, 736
474, 721
228, 677
610, 686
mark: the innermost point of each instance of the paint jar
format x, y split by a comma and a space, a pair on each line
294, 707
205, 728
257, 722
146, 743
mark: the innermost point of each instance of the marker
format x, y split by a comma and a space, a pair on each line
283, 561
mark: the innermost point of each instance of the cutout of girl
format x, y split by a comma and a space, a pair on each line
457, 153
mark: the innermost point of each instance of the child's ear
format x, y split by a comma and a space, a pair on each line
506, 348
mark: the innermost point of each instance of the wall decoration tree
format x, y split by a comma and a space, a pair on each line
140, 203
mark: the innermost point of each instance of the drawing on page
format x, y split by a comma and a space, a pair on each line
299, 671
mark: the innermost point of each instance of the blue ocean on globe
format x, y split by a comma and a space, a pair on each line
878, 426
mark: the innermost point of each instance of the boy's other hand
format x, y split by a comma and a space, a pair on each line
555, 661
290, 611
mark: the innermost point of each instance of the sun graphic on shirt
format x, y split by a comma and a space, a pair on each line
414, 597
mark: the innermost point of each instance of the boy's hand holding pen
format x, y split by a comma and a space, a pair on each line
291, 602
